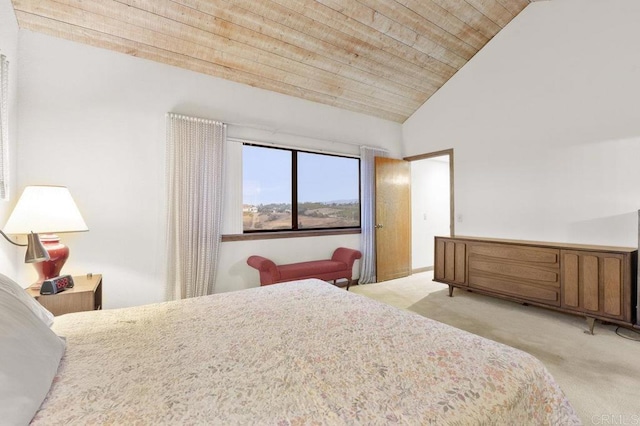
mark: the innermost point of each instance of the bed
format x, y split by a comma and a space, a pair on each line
302, 352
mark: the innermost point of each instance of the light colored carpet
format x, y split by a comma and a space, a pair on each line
600, 374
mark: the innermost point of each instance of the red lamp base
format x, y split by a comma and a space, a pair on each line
58, 255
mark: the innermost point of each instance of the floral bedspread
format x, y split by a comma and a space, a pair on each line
296, 353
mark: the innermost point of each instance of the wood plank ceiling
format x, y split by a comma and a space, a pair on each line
379, 57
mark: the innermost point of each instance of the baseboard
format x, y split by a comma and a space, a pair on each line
356, 281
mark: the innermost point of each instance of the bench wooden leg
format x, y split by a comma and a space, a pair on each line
348, 283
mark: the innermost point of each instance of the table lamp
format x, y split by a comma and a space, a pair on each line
41, 213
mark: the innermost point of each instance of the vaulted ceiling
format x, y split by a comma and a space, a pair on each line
379, 57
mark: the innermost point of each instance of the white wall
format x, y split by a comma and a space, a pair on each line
9, 254
545, 124
430, 207
94, 120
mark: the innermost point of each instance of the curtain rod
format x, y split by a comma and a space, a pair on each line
197, 119
271, 130
274, 131
299, 148
277, 131
374, 147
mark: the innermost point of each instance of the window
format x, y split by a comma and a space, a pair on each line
287, 189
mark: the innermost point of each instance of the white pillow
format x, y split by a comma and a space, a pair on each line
29, 356
8, 285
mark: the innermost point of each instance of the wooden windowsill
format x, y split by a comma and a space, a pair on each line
288, 234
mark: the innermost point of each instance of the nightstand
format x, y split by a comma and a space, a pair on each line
86, 295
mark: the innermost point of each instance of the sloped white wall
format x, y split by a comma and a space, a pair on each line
94, 120
9, 254
545, 125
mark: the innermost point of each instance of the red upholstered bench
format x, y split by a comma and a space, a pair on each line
339, 266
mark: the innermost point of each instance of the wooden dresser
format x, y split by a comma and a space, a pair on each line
597, 282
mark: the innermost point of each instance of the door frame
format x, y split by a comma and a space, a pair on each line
449, 152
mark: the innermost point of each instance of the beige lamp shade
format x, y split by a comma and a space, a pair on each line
45, 210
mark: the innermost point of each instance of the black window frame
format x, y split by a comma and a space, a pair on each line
294, 193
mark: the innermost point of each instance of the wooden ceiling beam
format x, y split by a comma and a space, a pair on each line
454, 48
292, 45
493, 10
467, 13
193, 23
326, 23
297, 27
205, 46
447, 21
379, 57
95, 38
387, 20
514, 6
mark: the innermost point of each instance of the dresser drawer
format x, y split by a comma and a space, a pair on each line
531, 273
532, 255
516, 289
542, 276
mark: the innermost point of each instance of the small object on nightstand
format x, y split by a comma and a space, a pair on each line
86, 295
89, 275
56, 285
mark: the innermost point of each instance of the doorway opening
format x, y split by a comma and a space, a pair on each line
432, 208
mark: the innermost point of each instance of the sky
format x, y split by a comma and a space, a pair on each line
321, 178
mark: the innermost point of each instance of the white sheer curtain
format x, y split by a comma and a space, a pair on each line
4, 128
367, 224
195, 149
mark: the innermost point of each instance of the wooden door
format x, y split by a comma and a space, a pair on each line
393, 218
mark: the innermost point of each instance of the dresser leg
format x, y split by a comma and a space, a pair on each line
591, 322
450, 291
